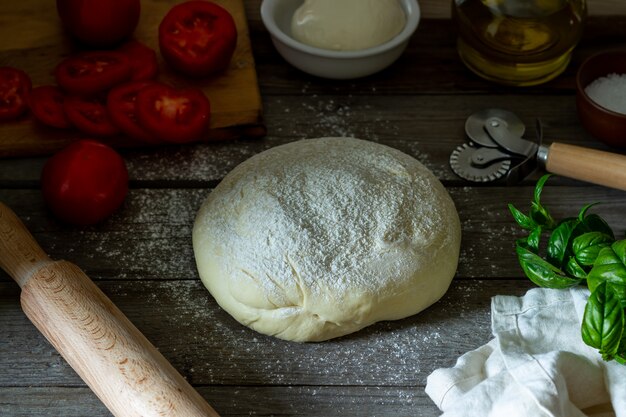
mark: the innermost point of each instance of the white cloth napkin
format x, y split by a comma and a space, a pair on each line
536, 366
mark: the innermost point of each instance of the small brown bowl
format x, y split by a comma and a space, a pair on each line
603, 124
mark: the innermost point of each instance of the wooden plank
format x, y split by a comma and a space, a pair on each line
150, 238
210, 348
428, 127
237, 401
235, 97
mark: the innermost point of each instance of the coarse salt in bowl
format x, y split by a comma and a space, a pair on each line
326, 63
601, 96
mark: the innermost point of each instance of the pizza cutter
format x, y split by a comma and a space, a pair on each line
497, 152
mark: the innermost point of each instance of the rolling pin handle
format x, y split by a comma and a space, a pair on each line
20, 255
129, 375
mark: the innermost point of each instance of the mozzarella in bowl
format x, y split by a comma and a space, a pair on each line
347, 25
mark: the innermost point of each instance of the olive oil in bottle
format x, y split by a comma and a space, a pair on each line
518, 42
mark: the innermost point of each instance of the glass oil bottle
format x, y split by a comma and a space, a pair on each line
518, 42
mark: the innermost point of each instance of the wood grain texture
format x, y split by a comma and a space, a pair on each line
594, 166
150, 237
428, 127
235, 98
119, 364
20, 255
239, 401
211, 349
142, 256
129, 375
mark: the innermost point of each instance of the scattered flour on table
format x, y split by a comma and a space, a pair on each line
372, 357
328, 117
152, 239
200, 162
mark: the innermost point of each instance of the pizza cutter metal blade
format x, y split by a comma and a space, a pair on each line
479, 165
496, 149
475, 125
497, 152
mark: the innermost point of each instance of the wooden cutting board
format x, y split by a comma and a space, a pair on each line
32, 39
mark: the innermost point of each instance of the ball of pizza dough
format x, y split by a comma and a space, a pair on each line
319, 238
346, 25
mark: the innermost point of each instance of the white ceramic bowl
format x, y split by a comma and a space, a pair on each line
340, 65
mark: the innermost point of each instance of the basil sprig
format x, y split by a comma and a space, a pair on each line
578, 250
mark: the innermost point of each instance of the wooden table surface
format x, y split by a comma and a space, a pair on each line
142, 256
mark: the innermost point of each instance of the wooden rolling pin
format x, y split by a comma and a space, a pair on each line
118, 363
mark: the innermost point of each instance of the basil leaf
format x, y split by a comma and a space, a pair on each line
587, 246
583, 211
539, 214
578, 249
619, 248
620, 358
539, 187
559, 241
533, 239
574, 269
595, 223
610, 266
541, 272
520, 218
603, 321
621, 349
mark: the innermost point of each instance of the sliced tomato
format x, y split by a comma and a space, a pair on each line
89, 115
143, 60
177, 116
198, 38
92, 72
15, 87
122, 107
46, 104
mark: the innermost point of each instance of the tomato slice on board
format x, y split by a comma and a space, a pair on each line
15, 87
92, 72
198, 38
46, 104
89, 115
85, 182
143, 60
122, 107
176, 116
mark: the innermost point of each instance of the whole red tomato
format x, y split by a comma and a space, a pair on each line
99, 23
85, 182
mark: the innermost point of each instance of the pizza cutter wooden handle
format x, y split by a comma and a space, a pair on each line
117, 362
590, 165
